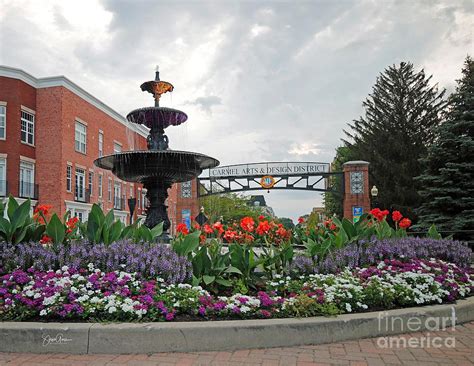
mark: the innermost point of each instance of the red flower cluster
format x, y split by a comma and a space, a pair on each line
301, 220
330, 225
71, 224
247, 224
379, 214
41, 211
182, 228
405, 223
45, 239
396, 216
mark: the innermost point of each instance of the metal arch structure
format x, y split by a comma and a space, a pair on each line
303, 176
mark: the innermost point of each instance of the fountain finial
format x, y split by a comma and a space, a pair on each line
157, 87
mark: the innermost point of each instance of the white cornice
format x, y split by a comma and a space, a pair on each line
48, 82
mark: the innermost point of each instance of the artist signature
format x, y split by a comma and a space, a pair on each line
58, 339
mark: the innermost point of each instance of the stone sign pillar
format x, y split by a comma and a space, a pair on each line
356, 189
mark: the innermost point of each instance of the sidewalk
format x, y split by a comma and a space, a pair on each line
352, 353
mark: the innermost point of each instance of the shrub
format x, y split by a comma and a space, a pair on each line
147, 259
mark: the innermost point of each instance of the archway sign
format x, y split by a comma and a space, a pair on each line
306, 176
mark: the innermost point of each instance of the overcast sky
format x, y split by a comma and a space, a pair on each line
259, 80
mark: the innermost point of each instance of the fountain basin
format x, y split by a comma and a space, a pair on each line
171, 166
160, 117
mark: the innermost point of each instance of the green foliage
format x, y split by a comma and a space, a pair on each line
230, 206
212, 268
286, 222
447, 182
304, 306
401, 117
101, 228
55, 229
18, 226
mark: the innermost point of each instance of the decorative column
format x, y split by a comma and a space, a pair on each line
356, 189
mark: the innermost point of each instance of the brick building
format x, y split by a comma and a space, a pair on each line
52, 130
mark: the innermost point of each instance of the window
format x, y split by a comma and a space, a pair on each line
100, 185
3, 121
80, 137
27, 179
117, 148
27, 128
186, 189
144, 199
110, 189
80, 190
68, 178
3, 177
91, 181
101, 144
117, 193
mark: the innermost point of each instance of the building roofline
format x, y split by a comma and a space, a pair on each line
52, 81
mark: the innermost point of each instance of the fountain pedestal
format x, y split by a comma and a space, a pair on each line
157, 211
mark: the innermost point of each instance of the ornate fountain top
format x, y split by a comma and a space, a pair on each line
157, 87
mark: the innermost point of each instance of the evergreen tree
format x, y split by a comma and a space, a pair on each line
333, 201
448, 179
401, 115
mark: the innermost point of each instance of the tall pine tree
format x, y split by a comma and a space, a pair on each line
448, 179
401, 115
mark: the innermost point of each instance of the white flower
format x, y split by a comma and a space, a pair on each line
348, 307
43, 312
244, 309
112, 309
64, 268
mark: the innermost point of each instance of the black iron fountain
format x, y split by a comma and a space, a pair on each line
158, 167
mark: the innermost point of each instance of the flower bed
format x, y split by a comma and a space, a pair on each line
365, 253
147, 259
89, 294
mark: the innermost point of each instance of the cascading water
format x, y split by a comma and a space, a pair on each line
158, 167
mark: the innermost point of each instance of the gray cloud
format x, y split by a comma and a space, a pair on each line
206, 103
282, 79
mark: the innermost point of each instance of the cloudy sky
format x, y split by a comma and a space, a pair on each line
259, 80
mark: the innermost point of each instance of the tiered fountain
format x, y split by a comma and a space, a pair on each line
158, 167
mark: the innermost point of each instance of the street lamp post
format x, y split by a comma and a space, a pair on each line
374, 192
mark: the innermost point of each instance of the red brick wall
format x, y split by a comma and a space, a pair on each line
16, 93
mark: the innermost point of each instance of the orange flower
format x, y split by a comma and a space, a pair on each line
230, 235
219, 227
263, 228
247, 224
44, 209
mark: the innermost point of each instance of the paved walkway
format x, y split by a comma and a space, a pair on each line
457, 348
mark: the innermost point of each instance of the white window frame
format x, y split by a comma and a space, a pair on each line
109, 189
117, 195
80, 138
30, 190
117, 147
80, 194
69, 178
99, 184
27, 127
91, 183
3, 176
3, 120
101, 144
